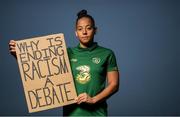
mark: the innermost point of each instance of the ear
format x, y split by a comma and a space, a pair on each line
95, 30
76, 33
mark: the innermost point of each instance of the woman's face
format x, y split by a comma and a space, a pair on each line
85, 31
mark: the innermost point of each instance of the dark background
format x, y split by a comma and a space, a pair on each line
144, 35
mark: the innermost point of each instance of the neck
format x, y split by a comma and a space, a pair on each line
83, 46
86, 45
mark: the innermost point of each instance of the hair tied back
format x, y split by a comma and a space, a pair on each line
82, 13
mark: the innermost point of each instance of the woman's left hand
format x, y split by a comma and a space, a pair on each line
84, 97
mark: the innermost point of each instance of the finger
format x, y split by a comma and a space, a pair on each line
13, 50
81, 98
13, 41
11, 46
81, 95
76, 99
82, 101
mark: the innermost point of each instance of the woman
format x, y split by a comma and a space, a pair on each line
91, 65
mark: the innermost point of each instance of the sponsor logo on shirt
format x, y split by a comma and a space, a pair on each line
73, 60
96, 60
84, 74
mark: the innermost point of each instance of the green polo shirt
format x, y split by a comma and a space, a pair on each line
89, 67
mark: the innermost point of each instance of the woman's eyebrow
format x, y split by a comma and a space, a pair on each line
85, 26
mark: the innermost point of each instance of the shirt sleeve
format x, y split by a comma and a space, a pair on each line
111, 62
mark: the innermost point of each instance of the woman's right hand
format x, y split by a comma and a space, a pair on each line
12, 47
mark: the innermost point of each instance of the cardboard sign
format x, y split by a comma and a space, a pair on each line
45, 72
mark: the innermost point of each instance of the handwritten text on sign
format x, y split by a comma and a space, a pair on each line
45, 72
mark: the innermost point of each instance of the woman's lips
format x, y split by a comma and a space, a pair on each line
84, 37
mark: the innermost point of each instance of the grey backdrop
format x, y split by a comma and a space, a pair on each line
144, 34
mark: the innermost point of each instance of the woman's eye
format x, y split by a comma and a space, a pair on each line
79, 29
89, 28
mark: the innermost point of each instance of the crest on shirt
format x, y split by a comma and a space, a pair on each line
84, 74
96, 60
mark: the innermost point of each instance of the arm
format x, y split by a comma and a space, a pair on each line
112, 87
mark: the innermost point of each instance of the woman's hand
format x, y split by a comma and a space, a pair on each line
84, 97
12, 47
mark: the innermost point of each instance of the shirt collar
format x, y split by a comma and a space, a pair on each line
90, 48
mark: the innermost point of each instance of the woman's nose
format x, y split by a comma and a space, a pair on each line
84, 31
